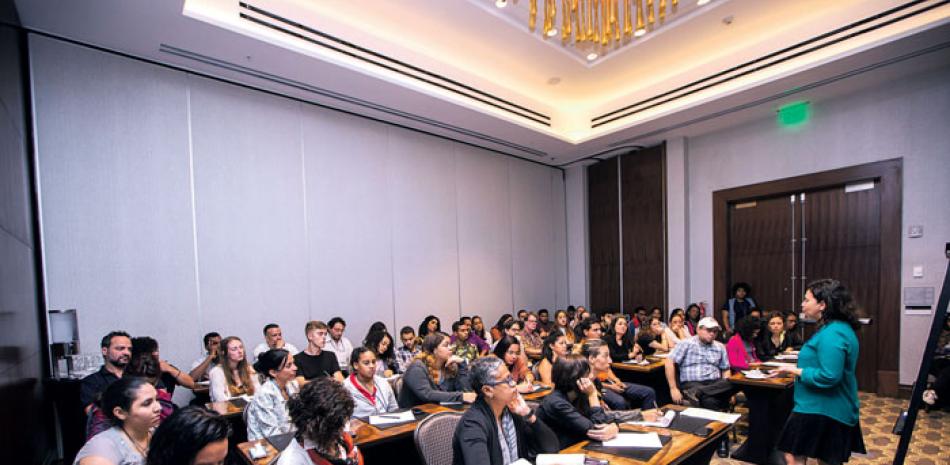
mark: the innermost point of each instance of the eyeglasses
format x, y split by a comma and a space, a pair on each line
507, 380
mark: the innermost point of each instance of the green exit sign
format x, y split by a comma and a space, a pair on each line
793, 114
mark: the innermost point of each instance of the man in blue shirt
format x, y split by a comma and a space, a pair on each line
704, 369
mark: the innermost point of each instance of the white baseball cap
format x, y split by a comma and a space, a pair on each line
708, 323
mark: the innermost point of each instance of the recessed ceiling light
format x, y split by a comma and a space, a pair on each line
554, 81
592, 56
503, 3
698, 2
639, 32
552, 32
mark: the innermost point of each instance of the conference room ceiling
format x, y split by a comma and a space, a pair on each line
468, 70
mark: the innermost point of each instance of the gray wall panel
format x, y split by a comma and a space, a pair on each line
532, 232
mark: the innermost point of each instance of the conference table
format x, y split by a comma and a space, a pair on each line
652, 374
770, 402
683, 448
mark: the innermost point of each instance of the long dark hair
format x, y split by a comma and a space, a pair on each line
837, 300
746, 328
121, 393
372, 341
424, 327
612, 332
501, 322
699, 313
274, 359
565, 373
502, 347
547, 352
182, 435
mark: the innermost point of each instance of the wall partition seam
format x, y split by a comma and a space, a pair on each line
620, 223
458, 253
567, 241
194, 202
511, 233
664, 231
794, 277
392, 228
306, 210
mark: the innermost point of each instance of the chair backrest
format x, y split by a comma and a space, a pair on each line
433, 437
396, 383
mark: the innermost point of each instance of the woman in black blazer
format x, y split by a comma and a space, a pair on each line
573, 409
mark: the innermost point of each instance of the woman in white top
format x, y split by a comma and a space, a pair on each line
266, 415
372, 395
232, 376
132, 406
677, 331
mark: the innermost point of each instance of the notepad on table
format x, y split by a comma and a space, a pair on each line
635, 362
642, 440
556, 459
390, 418
755, 374
779, 364
661, 422
711, 415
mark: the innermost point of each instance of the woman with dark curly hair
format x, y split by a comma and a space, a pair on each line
193, 436
320, 412
435, 375
381, 343
825, 422
430, 324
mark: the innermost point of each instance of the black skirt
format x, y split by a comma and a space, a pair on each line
820, 437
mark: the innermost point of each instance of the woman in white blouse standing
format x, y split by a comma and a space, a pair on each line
266, 415
372, 395
232, 376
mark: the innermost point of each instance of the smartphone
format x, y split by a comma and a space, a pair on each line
595, 461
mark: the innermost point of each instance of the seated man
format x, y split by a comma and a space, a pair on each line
588, 329
201, 366
483, 346
529, 336
273, 339
463, 348
409, 349
116, 353
704, 369
314, 362
339, 344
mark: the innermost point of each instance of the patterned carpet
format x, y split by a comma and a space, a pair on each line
930, 443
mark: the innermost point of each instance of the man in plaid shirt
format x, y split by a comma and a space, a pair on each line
704, 369
409, 349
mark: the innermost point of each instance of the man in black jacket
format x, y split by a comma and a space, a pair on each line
499, 428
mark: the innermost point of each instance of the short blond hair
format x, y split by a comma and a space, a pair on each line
313, 325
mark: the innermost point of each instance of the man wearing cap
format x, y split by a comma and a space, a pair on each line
704, 369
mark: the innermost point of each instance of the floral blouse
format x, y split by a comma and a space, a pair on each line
267, 415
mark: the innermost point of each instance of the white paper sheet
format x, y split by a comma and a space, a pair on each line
645, 440
786, 357
555, 459
662, 422
780, 364
754, 374
634, 362
711, 415
390, 418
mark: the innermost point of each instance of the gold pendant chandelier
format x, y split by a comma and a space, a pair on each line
597, 26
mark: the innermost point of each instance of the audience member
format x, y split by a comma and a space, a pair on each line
498, 330
529, 336
555, 345
202, 365
116, 353
319, 414
191, 436
589, 329
741, 346
545, 325
937, 395
435, 375
314, 362
825, 421
793, 332
479, 330
693, 315
233, 376
513, 329
266, 415
562, 325
132, 407
381, 343
620, 341
509, 351
642, 317
573, 408
579, 316
704, 369
617, 394
773, 342
409, 348
499, 428
676, 331
737, 307
430, 324
273, 339
338, 343
372, 395
170, 376
459, 341
377, 326
650, 338
144, 366
522, 314
657, 312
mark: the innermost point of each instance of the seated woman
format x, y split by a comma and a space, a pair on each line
677, 331
266, 414
372, 395
693, 315
555, 345
498, 330
499, 428
573, 409
562, 325
192, 435
773, 342
435, 375
232, 376
508, 350
142, 365
617, 394
430, 324
171, 376
741, 346
620, 341
381, 343
319, 414
650, 338
131, 404
792, 332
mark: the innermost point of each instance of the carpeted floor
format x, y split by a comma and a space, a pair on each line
930, 443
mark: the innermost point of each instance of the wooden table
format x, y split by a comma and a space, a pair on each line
656, 364
537, 396
683, 447
245, 448
770, 402
226, 409
652, 375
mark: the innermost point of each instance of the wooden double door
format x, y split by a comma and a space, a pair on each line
842, 228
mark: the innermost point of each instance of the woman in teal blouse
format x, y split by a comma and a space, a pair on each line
824, 422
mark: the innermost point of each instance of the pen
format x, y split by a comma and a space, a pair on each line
390, 416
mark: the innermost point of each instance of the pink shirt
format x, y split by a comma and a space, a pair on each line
738, 356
